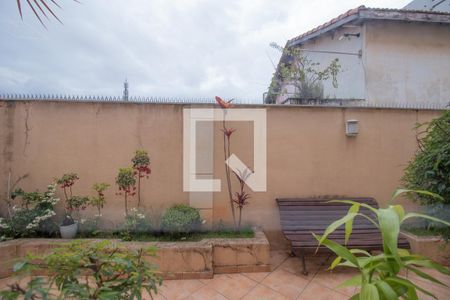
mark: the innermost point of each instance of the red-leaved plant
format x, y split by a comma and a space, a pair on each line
238, 199
72, 203
127, 184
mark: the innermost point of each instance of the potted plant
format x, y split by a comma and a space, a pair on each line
69, 226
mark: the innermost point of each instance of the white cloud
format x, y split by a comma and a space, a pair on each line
191, 48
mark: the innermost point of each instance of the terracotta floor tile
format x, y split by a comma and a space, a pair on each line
332, 279
285, 283
441, 292
258, 277
294, 265
179, 289
158, 296
315, 291
436, 274
206, 293
232, 286
276, 258
264, 293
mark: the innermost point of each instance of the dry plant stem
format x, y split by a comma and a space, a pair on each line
226, 150
139, 188
126, 204
8, 196
8, 191
240, 217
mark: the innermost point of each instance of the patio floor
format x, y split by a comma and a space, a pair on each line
285, 281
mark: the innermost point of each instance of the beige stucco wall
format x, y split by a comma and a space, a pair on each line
407, 63
308, 153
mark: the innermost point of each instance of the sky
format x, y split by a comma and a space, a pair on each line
165, 48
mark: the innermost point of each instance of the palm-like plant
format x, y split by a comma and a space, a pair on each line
379, 274
40, 8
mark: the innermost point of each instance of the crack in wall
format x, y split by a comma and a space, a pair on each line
27, 128
188, 262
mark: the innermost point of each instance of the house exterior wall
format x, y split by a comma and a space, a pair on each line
407, 63
351, 77
308, 153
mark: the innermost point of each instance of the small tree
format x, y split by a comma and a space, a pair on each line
141, 166
99, 200
127, 184
305, 75
73, 204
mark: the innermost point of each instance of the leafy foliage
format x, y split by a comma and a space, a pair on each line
73, 204
141, 166
33, 215
379, 274
430, 170
84, 270
127, 184
99, 200
302, 73
180, 219
136, 223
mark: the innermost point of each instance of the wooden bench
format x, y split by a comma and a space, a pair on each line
301, 216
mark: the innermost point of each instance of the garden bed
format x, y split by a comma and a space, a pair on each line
433, 247
176, 260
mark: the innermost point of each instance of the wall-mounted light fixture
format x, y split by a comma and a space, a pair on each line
348, 35
351, 127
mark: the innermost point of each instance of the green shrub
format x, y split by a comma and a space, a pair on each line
136, 224
180, 219
429, 170
84, 270
32, 216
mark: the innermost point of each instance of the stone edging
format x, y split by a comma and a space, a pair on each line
176, 260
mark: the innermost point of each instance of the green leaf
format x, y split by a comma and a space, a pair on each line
419, 215
338, 249
19, 266
425, 275
356, 297
354, 281
354, 202
399, 192
390, 229
409, 285
335, 262
400, 211
335, 225
428, 264
369, 292
386, 290
354, 209
359, 251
